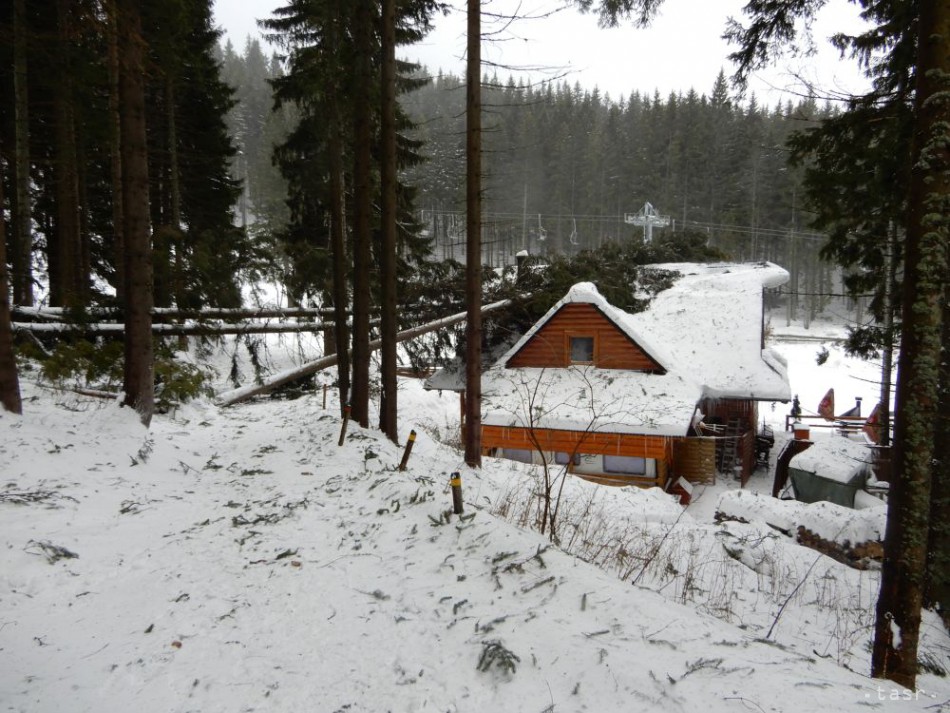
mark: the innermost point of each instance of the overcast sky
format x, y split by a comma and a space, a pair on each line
681, 48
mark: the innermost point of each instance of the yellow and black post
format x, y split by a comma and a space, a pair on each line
407, 451
456, 483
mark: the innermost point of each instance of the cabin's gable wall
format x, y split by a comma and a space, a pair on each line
551, 346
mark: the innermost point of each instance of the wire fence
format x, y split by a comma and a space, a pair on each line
504, 235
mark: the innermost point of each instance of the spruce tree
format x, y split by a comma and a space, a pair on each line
192, 191
9, 380
138, 382
916, 38
22, 230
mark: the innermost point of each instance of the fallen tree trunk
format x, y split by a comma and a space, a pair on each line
171, 329
163, 313
285, 377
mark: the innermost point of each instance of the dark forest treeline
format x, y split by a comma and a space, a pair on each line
60, 68
114, 154
580, 161
257, 128
565, 164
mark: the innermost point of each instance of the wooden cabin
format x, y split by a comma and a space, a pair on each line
641, 399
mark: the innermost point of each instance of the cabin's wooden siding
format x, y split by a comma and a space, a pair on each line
613, 349
614, 444
741, 418
695, 459
657, 448
624, 480
746, 452
725, 410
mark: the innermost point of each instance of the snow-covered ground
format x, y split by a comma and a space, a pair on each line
240, 560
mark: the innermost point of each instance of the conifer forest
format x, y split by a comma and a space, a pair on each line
226, 132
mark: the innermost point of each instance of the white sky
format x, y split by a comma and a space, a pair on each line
681, 49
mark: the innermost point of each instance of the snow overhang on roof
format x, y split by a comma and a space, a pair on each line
586, 398
835, 458
448, 378
710, 324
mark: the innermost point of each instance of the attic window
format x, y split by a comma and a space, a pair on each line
582, 350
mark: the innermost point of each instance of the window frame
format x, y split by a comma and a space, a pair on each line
519, 455
568, 458
638, 473
570, 348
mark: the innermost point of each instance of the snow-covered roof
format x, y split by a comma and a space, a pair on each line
835, 458
583, 397
832, 522
705, 331
708, 325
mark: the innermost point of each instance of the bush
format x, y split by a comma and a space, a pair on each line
177, 382
98, 365
85, 363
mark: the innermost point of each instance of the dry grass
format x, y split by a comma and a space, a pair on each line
739, 573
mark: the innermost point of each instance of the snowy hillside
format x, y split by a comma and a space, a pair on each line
239, 560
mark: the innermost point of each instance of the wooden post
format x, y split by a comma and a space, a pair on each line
456, 483
405, 453
346, 420
324, 397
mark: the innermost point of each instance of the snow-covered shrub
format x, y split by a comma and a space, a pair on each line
97, 365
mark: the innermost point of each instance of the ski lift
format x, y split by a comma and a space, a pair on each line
648, 218
574, 240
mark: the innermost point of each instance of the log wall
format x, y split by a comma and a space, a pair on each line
695, 459
614, 444
551, 346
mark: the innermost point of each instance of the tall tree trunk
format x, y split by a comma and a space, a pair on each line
338, 224
362, 209
177, 235
925, 275
937, 594
174, 188
388, 407
473, 238
890, 306
115, 151
138, 382
338, 250
9, 382
22, 226
166, 208
68, 234
84, 274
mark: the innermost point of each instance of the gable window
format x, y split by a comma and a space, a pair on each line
582, 350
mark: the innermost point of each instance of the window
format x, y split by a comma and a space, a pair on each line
565, 458
582, 350
628, 465
518, 454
